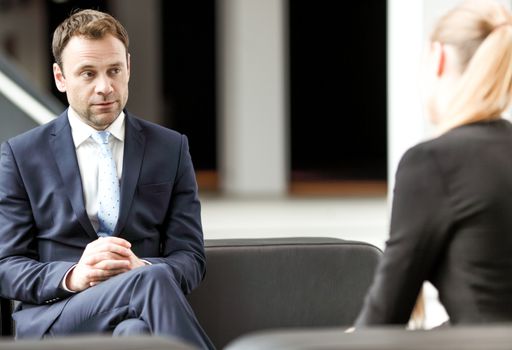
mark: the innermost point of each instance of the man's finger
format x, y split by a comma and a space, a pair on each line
115, 240
113, 265
92, 260
107, 247
109, 240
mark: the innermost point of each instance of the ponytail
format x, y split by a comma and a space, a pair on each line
481, 33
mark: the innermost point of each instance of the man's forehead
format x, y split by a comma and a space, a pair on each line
105, 51
108, 42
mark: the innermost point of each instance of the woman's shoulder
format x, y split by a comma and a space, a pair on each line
468, 135
467, 141
475, 133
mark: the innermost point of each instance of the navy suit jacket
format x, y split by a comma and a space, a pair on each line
44, 227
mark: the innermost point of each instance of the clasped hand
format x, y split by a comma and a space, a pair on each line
103, 258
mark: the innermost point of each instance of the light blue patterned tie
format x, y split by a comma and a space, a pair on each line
108, 186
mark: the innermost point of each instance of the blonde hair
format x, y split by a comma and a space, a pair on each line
481, 33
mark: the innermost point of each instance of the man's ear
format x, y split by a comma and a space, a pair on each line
128, 65
60, 80
439, 55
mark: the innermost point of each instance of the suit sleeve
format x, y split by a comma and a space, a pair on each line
22, 276
182, 245
420, 223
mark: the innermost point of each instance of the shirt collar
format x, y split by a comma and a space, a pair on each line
82, 131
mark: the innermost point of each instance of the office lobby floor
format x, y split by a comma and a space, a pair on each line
353, 218
363, 219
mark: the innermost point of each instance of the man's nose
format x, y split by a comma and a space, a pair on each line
103, 85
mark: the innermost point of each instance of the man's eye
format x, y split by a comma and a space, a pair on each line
87, 74
115, 70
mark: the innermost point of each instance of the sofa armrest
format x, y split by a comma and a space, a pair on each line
489, 337
98, 342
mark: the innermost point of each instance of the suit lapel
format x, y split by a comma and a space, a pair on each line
134, 144
65, 157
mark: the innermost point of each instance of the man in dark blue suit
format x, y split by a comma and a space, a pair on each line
84, 254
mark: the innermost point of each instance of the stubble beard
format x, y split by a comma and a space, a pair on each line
101, 121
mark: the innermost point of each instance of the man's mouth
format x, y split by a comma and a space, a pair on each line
107, 103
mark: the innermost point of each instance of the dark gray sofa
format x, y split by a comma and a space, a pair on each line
261, 284
297, 293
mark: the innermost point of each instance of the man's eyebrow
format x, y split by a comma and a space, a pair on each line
85, 66
116, 64
91, 66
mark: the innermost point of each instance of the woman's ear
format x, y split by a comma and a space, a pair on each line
439, 57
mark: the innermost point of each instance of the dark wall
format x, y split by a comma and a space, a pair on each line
338, 89
189, 75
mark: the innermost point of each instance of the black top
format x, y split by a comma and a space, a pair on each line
451, 225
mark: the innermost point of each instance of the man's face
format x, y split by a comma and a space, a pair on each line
94, 75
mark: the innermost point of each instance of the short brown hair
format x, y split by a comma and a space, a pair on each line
90, 24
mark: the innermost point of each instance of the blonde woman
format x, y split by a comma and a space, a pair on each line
452, 210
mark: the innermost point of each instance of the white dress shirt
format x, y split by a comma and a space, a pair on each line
87, 154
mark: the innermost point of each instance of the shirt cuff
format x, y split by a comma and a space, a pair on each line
63, 283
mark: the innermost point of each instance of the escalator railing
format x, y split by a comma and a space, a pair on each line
22, 106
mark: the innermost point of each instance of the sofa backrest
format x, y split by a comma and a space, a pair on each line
258, 284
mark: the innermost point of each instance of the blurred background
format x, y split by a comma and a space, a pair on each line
284, 102
303, 73
297, 111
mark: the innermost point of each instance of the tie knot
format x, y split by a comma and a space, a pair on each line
101, 137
